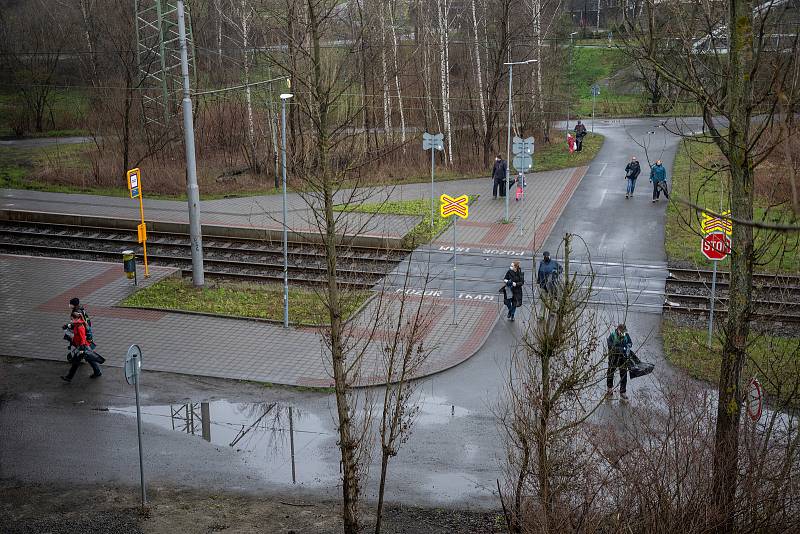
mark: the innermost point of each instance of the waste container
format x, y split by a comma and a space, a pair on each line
129, 263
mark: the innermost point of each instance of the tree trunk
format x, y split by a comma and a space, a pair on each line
734, 350
443, 11
397, 76
251, 127
479, 74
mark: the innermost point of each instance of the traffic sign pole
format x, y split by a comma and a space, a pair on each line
455, 223
713, 299
132, 369
433, 197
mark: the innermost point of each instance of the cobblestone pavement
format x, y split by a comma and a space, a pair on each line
36, 291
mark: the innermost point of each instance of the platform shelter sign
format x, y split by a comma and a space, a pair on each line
458, 206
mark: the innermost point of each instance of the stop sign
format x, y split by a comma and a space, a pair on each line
716, 246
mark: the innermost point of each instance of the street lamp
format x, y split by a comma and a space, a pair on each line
284, 98
508, 141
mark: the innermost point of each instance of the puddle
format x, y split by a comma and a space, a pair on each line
281, 443
437, 411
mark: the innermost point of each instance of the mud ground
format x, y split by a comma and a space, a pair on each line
34, 509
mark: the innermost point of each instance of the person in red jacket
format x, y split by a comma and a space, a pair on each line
80, 342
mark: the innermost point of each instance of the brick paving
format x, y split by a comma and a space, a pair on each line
35, 291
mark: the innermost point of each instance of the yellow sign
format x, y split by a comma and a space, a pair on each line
142, 231
454, 206
134, 183
711, 223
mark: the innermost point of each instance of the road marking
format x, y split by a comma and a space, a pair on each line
603, 169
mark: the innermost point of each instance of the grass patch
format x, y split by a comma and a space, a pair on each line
775, 361
556, 155
694, 178
239, 299
423, 232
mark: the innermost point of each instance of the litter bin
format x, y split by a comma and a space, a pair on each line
129, 264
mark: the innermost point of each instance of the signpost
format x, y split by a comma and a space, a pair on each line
133, 369
135, 189
715, 245
454, 206
432, 142
595, 94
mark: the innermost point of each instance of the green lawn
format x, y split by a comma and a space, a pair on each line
694, 178
68, 107
775, 361
556, 155
241, 300
423, 232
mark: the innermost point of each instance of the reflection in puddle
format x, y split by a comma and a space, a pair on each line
284, 443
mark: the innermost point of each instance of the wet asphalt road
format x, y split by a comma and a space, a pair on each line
53, 432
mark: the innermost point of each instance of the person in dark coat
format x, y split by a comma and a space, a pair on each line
499, 176
580, 133
80, 342
658, 175
514, 280
619, 346
547, 277
632, 171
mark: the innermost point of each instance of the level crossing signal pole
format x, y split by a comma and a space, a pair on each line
432, 142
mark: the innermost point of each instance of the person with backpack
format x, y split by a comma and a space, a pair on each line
658, 175
75, 303
499, 176
619, 347
513, 280
632, 171
83, 352
580, 133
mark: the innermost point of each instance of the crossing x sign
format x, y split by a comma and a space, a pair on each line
712, 224
454, 206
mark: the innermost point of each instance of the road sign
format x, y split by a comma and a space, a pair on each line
454, 206
716, 246
754, 399
133, 182
430, 141
595, 90
133, 364
711, 223
522, 146
523, 162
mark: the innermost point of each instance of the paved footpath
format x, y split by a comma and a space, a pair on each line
36, 291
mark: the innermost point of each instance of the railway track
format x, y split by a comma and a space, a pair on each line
232, 258
776, 296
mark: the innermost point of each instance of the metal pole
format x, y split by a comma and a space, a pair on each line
455, 223
594, 97
291, 443
597, 28
139, 432
433, 149
284, 98
713, 298
508, 141
193, 192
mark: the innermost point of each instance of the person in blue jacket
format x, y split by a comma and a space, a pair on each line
658, 175
547, 277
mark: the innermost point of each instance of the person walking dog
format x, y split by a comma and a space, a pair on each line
632, 171
513, 281
658, 175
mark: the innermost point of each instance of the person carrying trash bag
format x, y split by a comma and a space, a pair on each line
658, 175
619, 346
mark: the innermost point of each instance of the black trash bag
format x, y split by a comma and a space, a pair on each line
637, 367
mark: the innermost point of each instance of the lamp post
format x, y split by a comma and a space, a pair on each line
284, 98
508, 141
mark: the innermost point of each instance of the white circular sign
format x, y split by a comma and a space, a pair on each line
133, 364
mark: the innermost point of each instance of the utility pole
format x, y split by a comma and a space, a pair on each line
284, 98
510, 65
192, 190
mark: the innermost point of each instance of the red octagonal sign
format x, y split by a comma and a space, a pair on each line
716, 246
